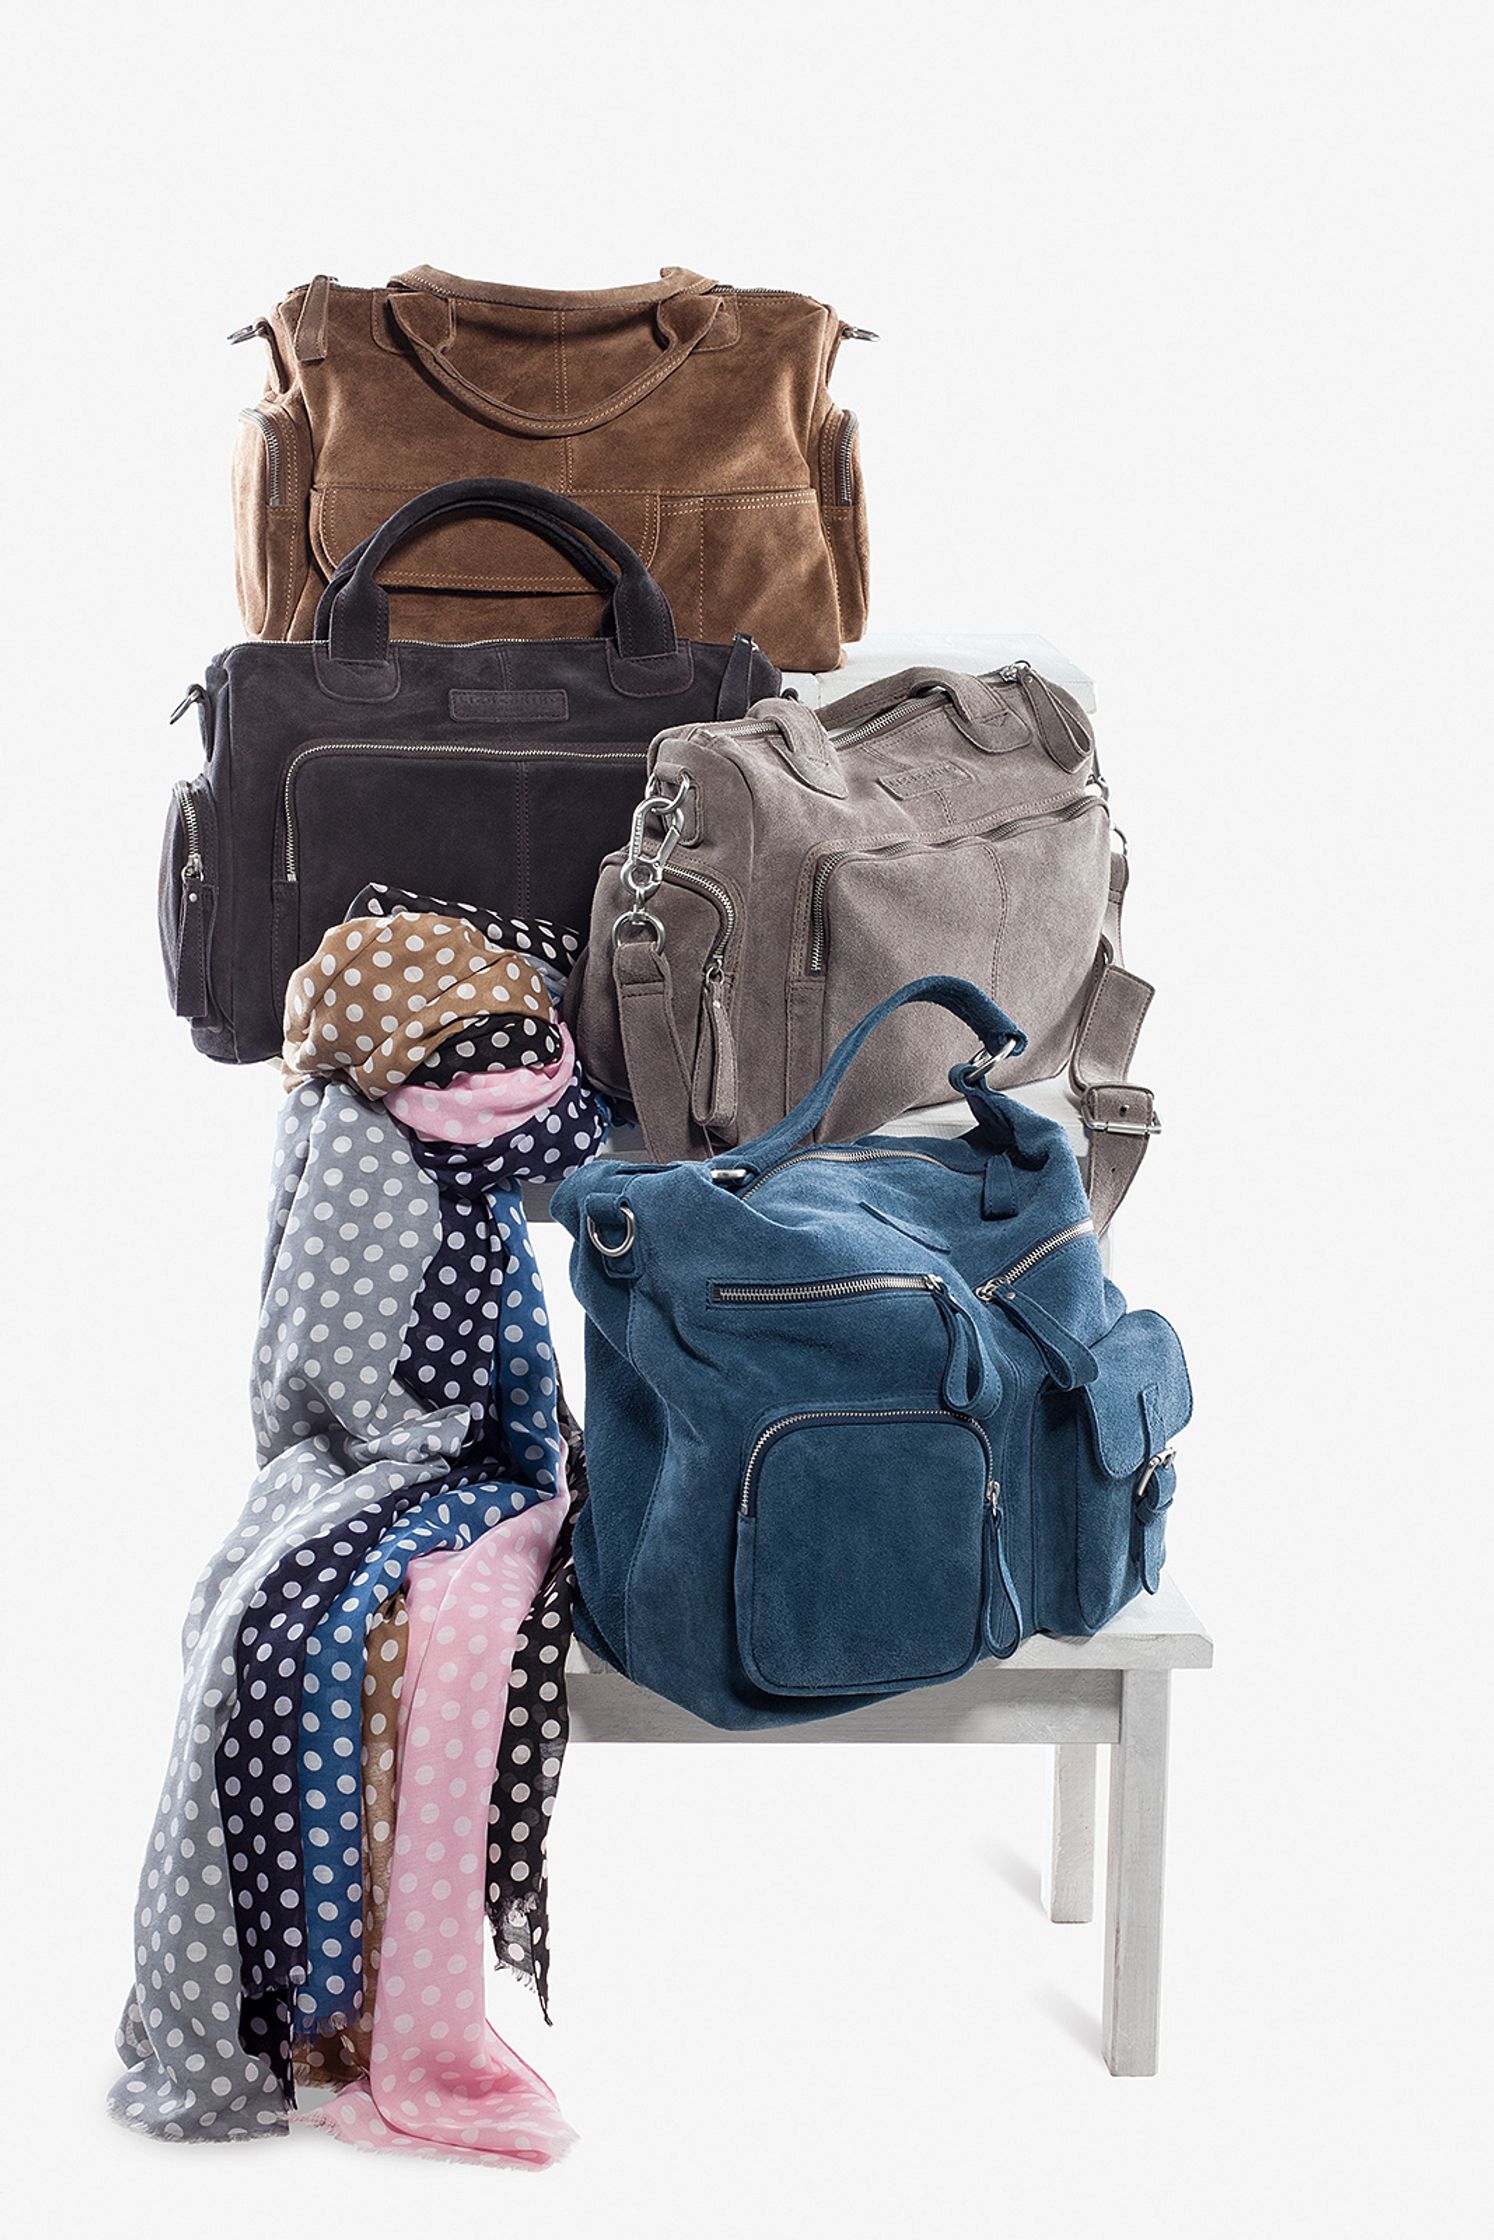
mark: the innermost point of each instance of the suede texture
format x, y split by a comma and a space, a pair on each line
499, 772
967, 836
735, 474
790, 1508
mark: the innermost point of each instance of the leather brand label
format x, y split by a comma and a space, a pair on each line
923, 777
508, 707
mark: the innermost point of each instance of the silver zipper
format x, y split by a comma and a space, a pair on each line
906, 711
192, 866
765, 1438
1029, 1260
271, 434
814, 963
844, 1157
429, 747
827, 1287
844, 488
714, 968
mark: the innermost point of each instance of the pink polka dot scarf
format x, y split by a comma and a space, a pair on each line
480, 1107
441, 2081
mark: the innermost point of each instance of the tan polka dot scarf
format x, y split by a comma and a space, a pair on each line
379, 994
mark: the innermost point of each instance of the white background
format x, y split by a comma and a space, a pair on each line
1185, 364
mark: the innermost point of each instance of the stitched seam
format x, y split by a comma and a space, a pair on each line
758, 501
700, 590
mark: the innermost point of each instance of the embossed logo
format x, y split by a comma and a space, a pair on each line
508, 707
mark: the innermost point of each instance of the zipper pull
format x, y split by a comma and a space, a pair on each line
713, 1091
191, 698
1069, 1363
1064, 742
189, 982
857, 334
1003, 1620
964, 1378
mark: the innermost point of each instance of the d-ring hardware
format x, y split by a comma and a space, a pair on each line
1154, 1463
614, 1251
984, 1059
643, 919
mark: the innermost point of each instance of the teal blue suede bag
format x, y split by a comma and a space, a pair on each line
858, 1415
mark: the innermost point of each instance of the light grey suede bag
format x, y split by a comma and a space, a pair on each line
787, 872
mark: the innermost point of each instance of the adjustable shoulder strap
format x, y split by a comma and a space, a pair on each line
1119, 1118
659, 1073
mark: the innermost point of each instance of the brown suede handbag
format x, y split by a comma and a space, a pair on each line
692, 417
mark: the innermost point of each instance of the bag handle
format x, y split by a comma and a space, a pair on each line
354, 615
673, 280
583, 557
1000, 1037
683, 319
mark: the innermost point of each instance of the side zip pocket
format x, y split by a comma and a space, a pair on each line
187, 895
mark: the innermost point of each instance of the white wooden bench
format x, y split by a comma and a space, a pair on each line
1114, 1688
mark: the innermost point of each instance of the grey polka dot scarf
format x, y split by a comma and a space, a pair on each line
335, 1434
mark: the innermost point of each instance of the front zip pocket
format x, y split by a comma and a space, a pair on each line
967, 1374
830, 865
864, 1550
467, 820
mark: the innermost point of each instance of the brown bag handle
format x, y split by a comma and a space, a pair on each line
686, 318
673, 280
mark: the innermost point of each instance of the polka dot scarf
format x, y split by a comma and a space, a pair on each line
441, 2081
530, 1755
379, 994
552, 948
342, 2057
336, 1434
498, 1043
293, 1728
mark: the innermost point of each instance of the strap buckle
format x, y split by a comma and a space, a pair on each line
1097, 1127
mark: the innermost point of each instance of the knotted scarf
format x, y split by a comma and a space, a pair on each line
499, 1043
553, 948
479, 1107
378, 994
441, 2081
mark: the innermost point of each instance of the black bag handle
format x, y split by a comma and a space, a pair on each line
353, 614
583, 557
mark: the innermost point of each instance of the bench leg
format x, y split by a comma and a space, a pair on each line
1071, 1871
1133, 1881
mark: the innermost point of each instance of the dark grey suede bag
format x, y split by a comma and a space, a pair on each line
497, 773
788, 872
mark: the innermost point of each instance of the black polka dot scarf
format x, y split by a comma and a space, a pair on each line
531, 1752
